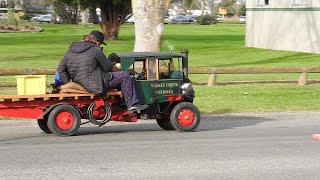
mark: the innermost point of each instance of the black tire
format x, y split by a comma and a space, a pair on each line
64, 120
43, 126
165, 124
185, 116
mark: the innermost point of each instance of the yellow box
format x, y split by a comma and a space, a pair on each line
32, 84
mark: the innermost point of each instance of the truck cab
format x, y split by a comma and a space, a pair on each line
161, 81
156, 75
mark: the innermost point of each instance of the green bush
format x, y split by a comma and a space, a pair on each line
206, 20
40, 12
26, 16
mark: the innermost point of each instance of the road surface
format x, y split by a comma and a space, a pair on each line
225, 146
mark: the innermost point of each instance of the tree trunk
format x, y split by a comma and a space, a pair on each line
110, 30
148, 21
113, 15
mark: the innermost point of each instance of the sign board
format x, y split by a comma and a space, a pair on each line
222, 10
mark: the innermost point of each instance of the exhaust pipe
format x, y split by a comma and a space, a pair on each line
185, 56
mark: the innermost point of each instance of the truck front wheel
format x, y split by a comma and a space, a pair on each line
185, 116
165, 124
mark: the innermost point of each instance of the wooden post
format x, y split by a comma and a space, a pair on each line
303, 79
212, 78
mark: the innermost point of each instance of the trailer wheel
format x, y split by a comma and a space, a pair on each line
185, 116
64, 120
165, 124
43, 126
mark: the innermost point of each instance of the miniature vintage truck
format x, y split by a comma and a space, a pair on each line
161, 81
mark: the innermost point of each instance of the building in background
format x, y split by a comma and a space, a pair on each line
6, 5
291, 25
32, 6
39, 5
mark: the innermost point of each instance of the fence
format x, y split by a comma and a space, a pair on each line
212, 72
27, 71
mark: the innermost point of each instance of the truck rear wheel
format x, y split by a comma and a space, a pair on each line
64, 120
43, 126
165, 124
185, 116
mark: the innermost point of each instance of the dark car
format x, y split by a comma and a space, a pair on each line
191, 18
180, 19
183, 19
2, 17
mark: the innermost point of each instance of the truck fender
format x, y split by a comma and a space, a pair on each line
48, 110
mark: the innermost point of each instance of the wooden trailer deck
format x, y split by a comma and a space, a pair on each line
13, 98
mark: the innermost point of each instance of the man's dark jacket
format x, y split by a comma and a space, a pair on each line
86, 64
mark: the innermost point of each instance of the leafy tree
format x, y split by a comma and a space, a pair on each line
195, 4
227, 3
68, 10
113, 15
186, 5
11, 4
230, 5
242, 11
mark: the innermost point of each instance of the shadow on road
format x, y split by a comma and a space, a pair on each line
227, 121
121, 128
208, 123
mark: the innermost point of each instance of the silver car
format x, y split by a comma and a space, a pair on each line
45, 18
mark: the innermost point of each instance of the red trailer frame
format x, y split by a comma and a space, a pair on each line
40, 106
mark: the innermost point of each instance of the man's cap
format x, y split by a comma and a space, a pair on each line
98, 35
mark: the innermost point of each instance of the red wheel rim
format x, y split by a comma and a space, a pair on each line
65, 120
186, 117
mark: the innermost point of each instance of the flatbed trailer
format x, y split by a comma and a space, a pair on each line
61, 114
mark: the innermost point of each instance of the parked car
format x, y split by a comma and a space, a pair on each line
180, 19
35, 18
2, 17
45, 18
192, 18
130, 19
167, 20
242, 19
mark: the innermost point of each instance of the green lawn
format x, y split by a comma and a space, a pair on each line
220, 45
257, 98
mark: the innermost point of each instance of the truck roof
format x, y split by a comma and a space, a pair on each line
145, 55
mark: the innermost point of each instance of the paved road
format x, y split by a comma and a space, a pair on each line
229, 146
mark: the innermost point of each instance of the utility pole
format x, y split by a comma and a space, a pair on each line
212, 8
202, 8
